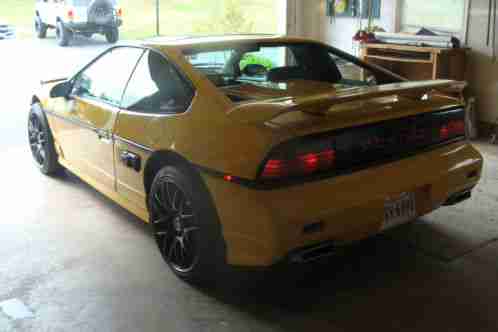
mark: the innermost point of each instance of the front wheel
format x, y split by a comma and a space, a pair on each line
63, 34
41, 142
185, 226
112, 35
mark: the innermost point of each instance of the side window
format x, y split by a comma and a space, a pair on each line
106, 78
157, 87
353, 74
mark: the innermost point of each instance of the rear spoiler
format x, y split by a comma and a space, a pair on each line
42, 82
320, 104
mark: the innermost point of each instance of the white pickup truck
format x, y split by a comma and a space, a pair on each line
85, 17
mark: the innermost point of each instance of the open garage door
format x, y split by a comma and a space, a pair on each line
199, 17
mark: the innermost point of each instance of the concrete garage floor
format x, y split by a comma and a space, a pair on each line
71, 260
78, 262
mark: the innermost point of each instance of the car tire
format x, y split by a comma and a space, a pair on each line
41, 142
40, 28
87, 34
112, 35
64, 35
186, 227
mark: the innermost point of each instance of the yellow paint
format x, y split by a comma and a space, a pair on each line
260, 227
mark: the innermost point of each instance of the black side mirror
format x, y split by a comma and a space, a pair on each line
61, 90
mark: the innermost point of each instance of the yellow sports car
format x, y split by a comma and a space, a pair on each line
253, 150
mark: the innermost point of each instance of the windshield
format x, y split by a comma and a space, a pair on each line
259, 64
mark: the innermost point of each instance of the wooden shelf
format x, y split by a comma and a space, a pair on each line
395, 59
417, 63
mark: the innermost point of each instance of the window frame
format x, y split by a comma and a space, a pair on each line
182, 75
375, 69
75, 77
187, 82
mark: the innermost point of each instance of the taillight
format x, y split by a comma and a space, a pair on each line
452, 128
340, 151
301, 164
120, 12
70, 14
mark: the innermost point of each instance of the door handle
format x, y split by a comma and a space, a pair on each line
131, 160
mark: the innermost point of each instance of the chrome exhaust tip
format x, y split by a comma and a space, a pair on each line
458, 198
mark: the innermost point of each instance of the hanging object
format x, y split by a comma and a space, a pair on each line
340, 6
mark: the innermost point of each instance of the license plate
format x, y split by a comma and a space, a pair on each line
399, 211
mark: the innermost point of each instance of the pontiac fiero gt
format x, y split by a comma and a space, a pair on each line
252, 150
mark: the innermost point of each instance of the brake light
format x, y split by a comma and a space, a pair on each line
303, 164
70, 14
457, 127
452, 128
444, 132
339, 151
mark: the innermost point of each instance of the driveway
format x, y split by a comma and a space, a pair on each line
23, 63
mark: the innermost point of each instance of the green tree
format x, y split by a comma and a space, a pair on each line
231, 20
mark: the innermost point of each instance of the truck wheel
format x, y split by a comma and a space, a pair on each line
112, 35
40, 28
64, 35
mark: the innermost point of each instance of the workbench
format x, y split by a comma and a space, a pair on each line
417, 63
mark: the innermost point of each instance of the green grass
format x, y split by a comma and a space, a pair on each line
178, 17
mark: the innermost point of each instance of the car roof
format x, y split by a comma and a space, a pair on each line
188, 42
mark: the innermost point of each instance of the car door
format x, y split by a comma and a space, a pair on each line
156, 93
85, 137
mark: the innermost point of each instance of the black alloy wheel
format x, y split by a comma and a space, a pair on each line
175, 225
41, 142
37, 140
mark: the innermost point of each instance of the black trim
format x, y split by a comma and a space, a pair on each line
262, 185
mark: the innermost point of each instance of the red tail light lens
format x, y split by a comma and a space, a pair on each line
303, 164
444, 132
457, 127
340, 151
70, 14
452, 129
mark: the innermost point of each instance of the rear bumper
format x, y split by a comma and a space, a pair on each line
90, 27
263, 227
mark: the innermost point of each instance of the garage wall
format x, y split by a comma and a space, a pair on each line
482, 71
313, 23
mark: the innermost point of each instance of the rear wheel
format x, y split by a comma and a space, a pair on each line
40, 28
112, 35
41, 142
63, 34
185, 226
